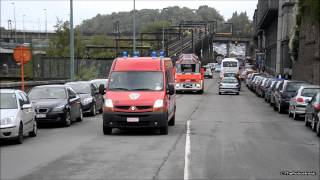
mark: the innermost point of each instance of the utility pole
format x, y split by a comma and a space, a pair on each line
46, 22
24, 33
15, 22
71, 43
134, 26
163, 37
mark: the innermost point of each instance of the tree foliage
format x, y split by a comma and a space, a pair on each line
241, 23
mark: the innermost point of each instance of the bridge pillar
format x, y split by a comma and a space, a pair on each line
228, 48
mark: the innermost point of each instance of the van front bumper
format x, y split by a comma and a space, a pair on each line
145, 120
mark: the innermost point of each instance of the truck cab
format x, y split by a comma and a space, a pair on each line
189, 74
140, 94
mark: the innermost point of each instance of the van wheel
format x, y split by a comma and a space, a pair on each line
67, 121
93, 110
107, 130
19, 139
200, 92
33, 133
80, 118
306, 121
173, 119
164, 130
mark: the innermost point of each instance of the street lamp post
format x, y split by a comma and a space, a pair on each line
46, 23
15, 22
134, 26
24, 33
71, 42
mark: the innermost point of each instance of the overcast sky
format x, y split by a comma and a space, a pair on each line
34, 11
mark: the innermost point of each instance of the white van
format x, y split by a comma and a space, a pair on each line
229, 65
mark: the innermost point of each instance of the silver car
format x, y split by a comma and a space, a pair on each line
229, 85
17, 115
298, 104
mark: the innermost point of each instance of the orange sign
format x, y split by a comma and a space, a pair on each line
22, 53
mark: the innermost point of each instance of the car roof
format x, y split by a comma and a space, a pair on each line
138, 64
310, 87
9, 90
94, 80
78, 82
51, 85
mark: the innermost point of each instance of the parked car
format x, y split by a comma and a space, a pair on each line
297, 104
217, 68
274, 90
283, 95
56, 103
91, 98
229, 85
267, 95
260, 86
17, 116
98, 82
313, 113
208, 73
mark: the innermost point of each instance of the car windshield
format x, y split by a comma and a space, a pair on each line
136, 81
230, 64
8, 101
188, 68
229, 75
80, 88
293, 86
229, 80
309, 92
47, 93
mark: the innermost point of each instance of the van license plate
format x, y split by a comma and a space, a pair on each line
132, 119
41, 115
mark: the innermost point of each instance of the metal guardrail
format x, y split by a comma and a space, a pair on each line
29, 84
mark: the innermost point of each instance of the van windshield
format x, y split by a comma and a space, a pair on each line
188, 68
230, 64
136, 81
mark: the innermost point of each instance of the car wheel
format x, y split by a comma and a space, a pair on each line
306, 121
172, 120
107, 130
280, 109
289, 113
318, 129
295, 116
237, 93
34, 131
101, 110
275, 107
313, 124
19, 139
80, 118
93, 110
67, 121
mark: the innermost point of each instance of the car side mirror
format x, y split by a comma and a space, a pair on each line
72, 96
307, 101
171, 89
26, 106
102, 89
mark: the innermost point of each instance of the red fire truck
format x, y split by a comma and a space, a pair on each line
189, 74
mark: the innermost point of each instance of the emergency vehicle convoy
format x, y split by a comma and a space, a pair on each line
189, 74
140, 94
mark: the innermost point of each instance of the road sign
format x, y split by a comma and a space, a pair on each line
22, 54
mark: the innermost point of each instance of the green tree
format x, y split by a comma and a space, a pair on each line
241, 23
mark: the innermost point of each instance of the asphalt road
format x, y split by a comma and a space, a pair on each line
231, 137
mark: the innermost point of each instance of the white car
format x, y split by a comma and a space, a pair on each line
298, 104
17, 115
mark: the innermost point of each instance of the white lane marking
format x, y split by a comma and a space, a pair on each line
187, 153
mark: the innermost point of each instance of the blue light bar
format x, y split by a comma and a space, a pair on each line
153, 54
161, 54
124, 54
136, 54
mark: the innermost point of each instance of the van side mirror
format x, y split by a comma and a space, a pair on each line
102, 89
171, 89
202, 70
26, 106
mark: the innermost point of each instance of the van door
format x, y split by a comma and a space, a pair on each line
171, 98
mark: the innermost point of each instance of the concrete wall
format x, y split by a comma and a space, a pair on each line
307, 67
270, 36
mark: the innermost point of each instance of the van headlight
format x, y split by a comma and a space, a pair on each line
158, 105
108, 103
198, 85
177, 85
7, 121
87, 100
58, 108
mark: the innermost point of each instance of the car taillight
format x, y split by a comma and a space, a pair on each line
300, 100
317, 106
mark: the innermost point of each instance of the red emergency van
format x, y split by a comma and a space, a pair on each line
140, 94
